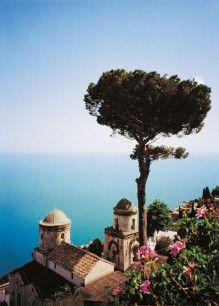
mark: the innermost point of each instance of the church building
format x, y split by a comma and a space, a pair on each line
57, 263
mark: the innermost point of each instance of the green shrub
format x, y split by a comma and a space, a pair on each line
96, 247
158, 217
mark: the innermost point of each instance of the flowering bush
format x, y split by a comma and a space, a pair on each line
204, 234
145, 253
138, 287
176, 248
189, 277
201, 212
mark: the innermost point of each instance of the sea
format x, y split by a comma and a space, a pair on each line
86, 187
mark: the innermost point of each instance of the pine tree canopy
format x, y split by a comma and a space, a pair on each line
145, 105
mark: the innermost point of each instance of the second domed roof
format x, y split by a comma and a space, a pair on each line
55, 217
125, 207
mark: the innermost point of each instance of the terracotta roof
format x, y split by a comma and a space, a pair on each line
45, 281
74, 259
96, 291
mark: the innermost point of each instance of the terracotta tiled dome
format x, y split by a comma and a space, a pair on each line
55, 217
125, 207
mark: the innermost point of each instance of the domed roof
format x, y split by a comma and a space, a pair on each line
55, 217
124, 207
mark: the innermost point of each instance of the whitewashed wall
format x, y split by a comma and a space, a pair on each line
65, 274
159, 234
100, 269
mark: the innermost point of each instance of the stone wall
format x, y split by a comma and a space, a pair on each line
51, 237
120, 250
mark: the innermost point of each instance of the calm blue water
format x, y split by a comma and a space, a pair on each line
85, 187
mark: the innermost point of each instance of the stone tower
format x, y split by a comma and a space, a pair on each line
121, 239
54, 229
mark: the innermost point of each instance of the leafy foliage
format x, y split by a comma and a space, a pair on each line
158, 216
176, 287
206, 193
160, 152
204, 234
129, 101
96, 247
215, 191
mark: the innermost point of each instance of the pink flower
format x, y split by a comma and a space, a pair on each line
211, 206
144, 286
201, 212
176, 248
146, 253
117, 291
137, 266
192, 265
208, 200
189, 270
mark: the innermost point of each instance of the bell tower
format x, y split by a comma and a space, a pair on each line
54, 229
121, 239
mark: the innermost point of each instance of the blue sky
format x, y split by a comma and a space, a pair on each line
50, 50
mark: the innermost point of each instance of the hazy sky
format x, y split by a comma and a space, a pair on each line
50, 50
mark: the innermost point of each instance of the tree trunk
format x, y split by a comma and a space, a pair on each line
144, 168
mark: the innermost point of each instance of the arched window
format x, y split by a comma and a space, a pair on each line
114, 250
135, 256
62, 236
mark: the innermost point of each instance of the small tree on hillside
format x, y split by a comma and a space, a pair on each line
158, 217
193, 212
96, 247
215, 192
180, 212
144, 106
206, 193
